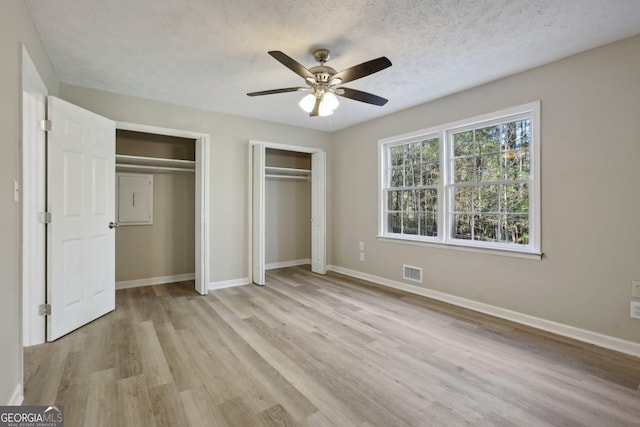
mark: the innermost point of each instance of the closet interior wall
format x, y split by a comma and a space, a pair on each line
167, 247
287, 208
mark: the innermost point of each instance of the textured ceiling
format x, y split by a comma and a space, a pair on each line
209, 53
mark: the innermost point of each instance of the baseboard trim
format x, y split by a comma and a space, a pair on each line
17, 397
155, 281
283, 264
590, 337
228, 283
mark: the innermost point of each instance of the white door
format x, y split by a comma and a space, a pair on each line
318, 213
258, 214
81, 200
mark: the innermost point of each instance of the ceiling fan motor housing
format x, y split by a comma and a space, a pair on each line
323, 73
322, 55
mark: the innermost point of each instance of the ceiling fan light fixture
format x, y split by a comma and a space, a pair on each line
327, 105
330, 101
307, 102
324, 111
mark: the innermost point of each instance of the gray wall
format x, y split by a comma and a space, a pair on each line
287, 221
590, 105
16, 28
167, 247
229, 167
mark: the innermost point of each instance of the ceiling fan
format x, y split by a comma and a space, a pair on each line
324, 81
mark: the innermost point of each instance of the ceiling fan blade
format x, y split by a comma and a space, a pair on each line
361, 96
292, 64
316, 108
362, 70
273, 91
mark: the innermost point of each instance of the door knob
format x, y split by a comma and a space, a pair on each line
113, 225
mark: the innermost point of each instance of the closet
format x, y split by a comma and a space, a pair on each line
287, 208
155, 185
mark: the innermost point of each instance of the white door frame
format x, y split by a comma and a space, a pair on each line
33, 237
277, 146
257, 248
319, 212
203, 142
33, 192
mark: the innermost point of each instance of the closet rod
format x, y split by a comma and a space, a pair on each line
290, 177
154, 168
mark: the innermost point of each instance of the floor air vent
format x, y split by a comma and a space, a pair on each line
412, 273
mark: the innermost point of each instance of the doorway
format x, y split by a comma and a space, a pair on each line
202, 149
257, 201
155, 209
287, 208
34, 287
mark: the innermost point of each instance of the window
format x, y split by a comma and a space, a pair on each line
472, 183
412, 193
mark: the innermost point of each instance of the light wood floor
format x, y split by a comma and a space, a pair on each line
309, 350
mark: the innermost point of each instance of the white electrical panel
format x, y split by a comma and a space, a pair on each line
135, 199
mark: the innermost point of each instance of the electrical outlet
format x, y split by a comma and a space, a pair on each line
635, 289
361, 246
635, 310
362, 258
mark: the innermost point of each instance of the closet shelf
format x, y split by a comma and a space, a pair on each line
126, 162
273, 172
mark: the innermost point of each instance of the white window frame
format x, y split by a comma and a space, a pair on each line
445, 196
387, 166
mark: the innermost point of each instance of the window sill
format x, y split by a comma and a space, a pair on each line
514, 253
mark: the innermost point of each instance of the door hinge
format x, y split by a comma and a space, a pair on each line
44, 217
44, 309
45, 125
